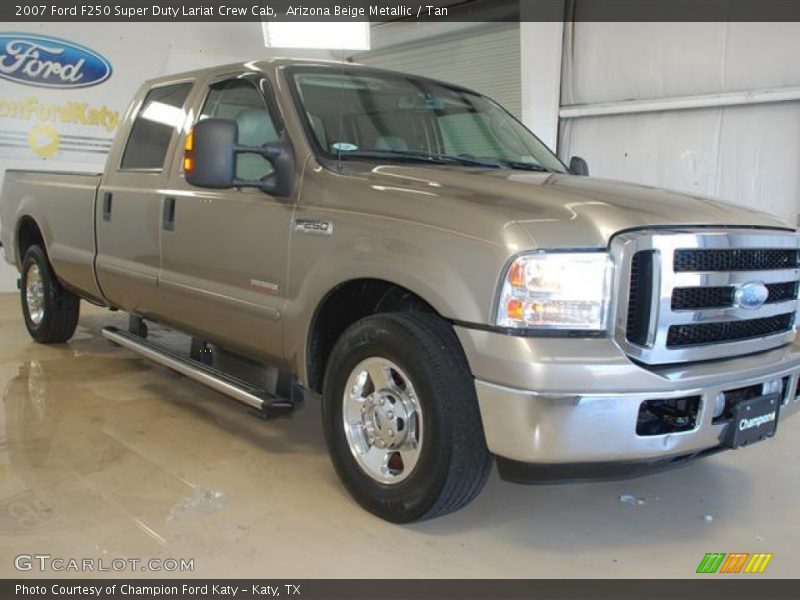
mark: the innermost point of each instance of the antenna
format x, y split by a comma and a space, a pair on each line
341, 115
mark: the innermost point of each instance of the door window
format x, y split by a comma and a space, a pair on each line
241, 101
160, 116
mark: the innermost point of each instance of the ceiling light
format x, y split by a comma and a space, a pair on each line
328, 36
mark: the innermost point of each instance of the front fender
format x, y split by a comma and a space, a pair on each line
454, 273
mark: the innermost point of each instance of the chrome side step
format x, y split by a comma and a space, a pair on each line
268, 405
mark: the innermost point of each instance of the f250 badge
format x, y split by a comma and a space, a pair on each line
50, 62
313, 226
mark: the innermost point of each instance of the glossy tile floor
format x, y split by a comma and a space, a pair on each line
104, 455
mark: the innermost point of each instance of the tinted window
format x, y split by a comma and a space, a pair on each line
241, 101
160, 116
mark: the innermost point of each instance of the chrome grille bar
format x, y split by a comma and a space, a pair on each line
665, 335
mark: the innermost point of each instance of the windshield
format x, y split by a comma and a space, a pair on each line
379, 116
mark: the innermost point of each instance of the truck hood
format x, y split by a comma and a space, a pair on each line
556, 210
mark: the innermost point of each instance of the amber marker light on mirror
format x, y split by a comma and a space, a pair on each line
188, 147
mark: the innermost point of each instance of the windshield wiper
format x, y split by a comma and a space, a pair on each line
469, 160
522, 166
421, 155
406, 155
441, 159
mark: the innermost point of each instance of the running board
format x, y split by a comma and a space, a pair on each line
267, 405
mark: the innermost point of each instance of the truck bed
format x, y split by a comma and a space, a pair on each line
63, 204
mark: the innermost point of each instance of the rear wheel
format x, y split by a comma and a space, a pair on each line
51, 312
401, 417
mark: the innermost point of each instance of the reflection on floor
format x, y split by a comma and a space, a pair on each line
104, 455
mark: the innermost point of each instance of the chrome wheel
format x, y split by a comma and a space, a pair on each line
382, 420
34, 294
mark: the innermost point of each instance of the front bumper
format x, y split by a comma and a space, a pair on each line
556, 401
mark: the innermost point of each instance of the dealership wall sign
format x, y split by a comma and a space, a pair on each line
50, 62
62, 119
43, 137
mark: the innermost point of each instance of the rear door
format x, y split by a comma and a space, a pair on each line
224, 252
128, 208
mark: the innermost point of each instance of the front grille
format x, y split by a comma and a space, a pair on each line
640, 297
727, 331
750, 259
781, 292
694, 298
699, 298
680, 299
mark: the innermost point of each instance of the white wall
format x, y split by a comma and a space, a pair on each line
747, 155
136, 52
541, 49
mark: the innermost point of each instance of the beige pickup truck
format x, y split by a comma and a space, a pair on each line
409, 252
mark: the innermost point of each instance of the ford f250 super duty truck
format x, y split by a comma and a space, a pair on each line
409, 251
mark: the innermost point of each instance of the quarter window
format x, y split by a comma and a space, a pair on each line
159, 118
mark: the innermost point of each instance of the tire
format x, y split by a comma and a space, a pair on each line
51, 312
422, 359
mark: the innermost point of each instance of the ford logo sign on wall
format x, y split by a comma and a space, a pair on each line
50, 62
751, 295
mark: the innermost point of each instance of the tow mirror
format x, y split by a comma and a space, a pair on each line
209, 158
578, 166
209, 154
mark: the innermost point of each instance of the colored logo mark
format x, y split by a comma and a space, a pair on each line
735, 562
44, 140
751, 295
50, 62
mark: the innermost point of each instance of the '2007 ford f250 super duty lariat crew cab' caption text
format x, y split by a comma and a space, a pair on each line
410, 252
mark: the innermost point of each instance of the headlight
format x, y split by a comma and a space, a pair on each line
556, 290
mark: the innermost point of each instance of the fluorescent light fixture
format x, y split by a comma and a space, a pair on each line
328, 36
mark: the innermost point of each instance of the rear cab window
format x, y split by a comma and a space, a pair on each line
160, 116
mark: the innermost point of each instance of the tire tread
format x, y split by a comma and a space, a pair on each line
470, 470
62, 307
438, 347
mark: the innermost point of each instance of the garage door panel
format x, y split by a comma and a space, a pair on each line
676, 150
486, 60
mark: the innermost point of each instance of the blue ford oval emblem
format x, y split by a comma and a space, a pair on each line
50, 62
750, 295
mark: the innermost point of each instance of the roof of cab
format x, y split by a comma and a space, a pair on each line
254, 65
276, 63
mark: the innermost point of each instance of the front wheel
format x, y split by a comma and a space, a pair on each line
51, 312
401, 417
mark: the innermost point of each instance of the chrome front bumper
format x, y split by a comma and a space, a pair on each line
550, 401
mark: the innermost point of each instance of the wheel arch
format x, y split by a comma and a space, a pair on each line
27, 234
345, 304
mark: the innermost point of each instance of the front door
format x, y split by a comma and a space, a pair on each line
224, 252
